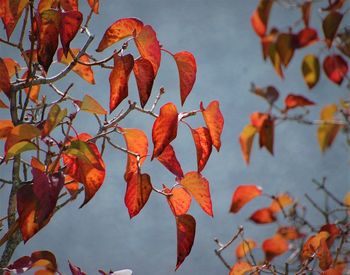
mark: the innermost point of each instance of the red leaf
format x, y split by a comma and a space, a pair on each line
69, 5
137, 193
136, 142
94, 5
335, 68
263, 216
333, 231
324, 255
119, 30
179, 201
186, 65
274, 247
198, 187
169, 160
260, 17
306, 37
5, 78
75, 269
164, 128
240, 268
69, 26
244, 194
186, 231
85, 72
330, 25
49, 25
293, 101
46, 189
89, 170
203, 143
148, 46
214, 121
118, 79
12, 11
144, 75
246, 139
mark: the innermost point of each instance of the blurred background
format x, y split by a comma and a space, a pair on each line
228, 55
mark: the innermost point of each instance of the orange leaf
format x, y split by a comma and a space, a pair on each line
289, 233
274, 247
285, 47
20, 133
136, 142
89, 104
85, 72
179, 201
240, 268
69, 26
324, 255
244, 248
71, 185
94, 5
330, 25
335, 68
186, 231
281, 201
198, 187
164, 128
137, 193
5, 128
312, 244
84, 164
49, 25
12, 13
169, 160
186, 65
3, 105
215, 122
333, 231
346, 199
5, 78
242, 195
47, 4
306, 37
12, 66
119, 30
202, 141
263, 216
148, 46
327, 131
260, 17
265, 126
331, 271
144, 75
69, 5
311, 70
54, 117
33, 91
118, 80
293, 101
246, 139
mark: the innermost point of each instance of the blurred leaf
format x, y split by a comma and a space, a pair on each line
260, 17
244, 248
274, 247
310, 68
336, 68
244, 194
263, 216
330, 25
246, 139
240, 268
293, 101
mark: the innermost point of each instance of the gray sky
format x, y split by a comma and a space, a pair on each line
228, 55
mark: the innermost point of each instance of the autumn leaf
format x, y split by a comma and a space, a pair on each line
246, 139
186, 65
49, 26
46, 189
263, 216
285, 47
3, 105
118, 80
333, 231
136, 142
244, 248
330, 25
179, 200
12, 13
203, 143
266, 41
19, 148
306, 37
335, 68
47, 4
12, 66
289, 233
293, 101
75, 269
260, 17
119, 30
144, 76
69, 26
148, 46
265, 126
5, 128
240, 268
169, 160
54, 117
186, 231
331, 271
69, 5
312, 244
19, 133
324, 255
328, 130
89, 104
5, 78
280, 202
306, 12
310, 68
198, 187
242, 195
346, 199
274, 247
94, 5
276, 60
137, 193
215, 122
164, 128
32, 91
85, 72
84, 164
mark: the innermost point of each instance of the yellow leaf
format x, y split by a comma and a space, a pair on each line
20, 147
89, 104
246, 139
310, 68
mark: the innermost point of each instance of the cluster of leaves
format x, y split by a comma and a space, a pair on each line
40, 136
